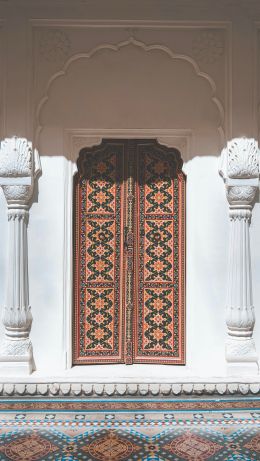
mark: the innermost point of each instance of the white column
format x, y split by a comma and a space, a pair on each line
240, 172
19, 167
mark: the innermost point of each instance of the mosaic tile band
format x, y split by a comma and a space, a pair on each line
128, 405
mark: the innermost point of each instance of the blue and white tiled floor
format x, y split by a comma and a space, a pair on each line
31, 430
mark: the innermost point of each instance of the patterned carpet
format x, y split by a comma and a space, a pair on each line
130, 429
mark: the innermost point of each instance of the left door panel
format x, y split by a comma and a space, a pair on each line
98, 255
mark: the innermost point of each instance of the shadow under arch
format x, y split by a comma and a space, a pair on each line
147, 48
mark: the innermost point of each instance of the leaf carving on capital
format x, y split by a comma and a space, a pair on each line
16, 158
19, 317
17, 214
242, 158
208, 46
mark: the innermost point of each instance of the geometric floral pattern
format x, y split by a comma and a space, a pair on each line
169, 406
129, 254
111, 447
159, 331
254, 444
99, 318
158, 266
100, 242
191, 447
28, 448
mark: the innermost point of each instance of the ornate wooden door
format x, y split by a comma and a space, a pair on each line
129, 254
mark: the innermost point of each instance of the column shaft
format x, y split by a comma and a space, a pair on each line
240, 171
18, 169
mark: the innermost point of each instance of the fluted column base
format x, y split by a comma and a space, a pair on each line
16, 357
241, 357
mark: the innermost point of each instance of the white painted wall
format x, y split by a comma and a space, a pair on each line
67, 79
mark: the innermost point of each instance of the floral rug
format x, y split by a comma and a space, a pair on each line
130, 429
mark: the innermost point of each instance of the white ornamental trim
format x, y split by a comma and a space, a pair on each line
132, 389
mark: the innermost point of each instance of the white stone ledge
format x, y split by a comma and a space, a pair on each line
66, 389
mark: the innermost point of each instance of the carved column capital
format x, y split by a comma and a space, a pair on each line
239, 168
240, 171
240, 159
19, 166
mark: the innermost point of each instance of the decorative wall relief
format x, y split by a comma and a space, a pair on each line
208, 46
54, 45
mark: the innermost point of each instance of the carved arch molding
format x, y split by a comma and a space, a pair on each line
129, 235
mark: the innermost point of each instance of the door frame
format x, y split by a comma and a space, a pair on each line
73, 141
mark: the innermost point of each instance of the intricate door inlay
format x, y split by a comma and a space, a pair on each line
129, 254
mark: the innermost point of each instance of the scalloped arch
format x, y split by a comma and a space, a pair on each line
146, 48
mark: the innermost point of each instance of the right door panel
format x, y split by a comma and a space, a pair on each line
159, 256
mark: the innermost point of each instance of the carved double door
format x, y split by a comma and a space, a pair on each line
129, 198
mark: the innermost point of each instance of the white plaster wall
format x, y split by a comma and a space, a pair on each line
179, 76
45, 265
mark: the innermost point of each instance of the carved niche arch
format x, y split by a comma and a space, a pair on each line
148, 48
